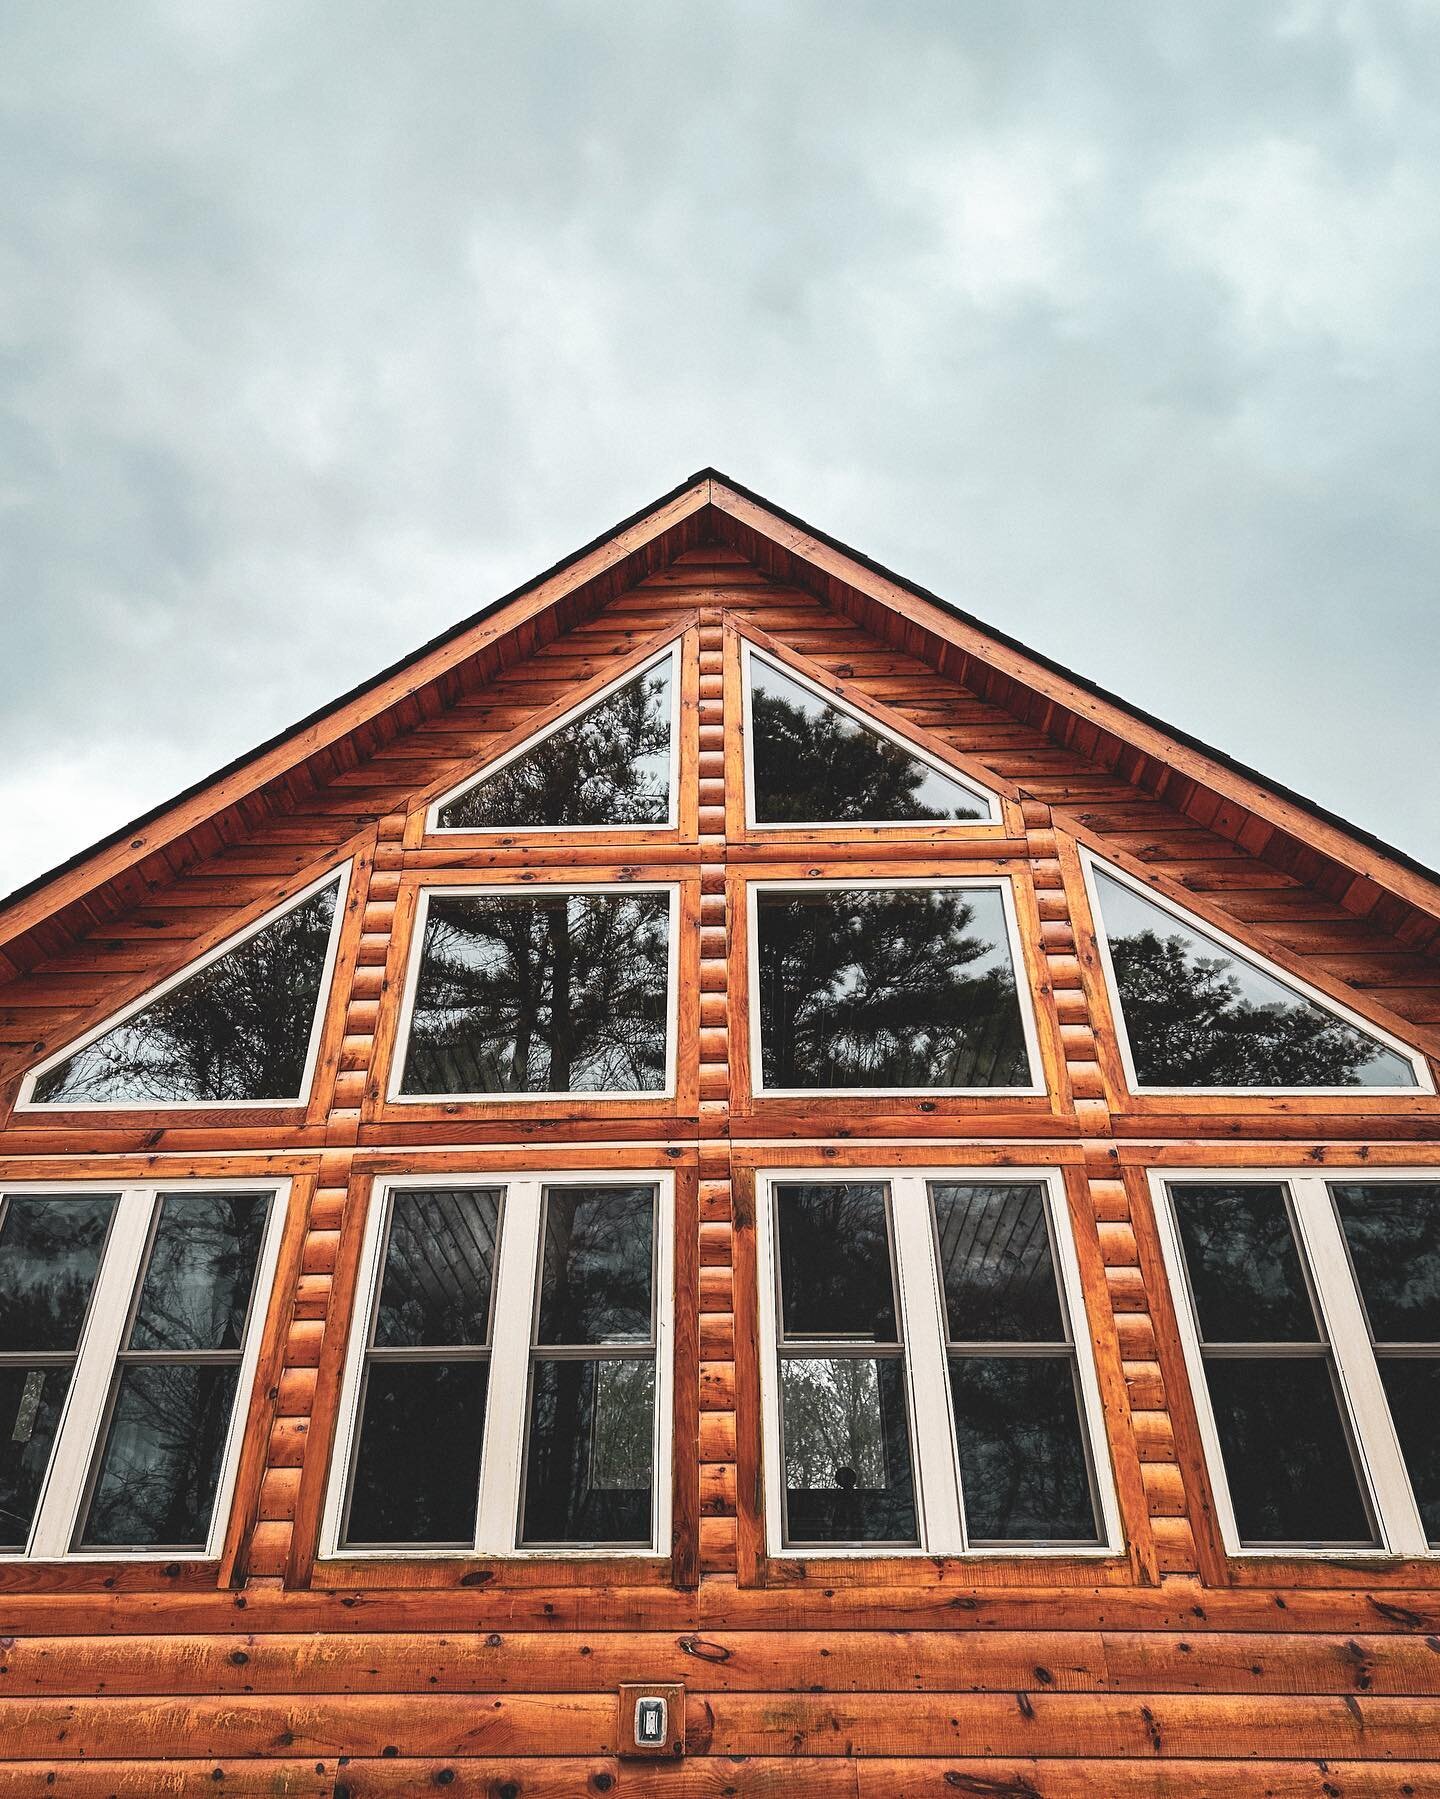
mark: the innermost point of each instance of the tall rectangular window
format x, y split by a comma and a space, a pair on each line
844, 1425
1015, 1385
129, 1327
1308, 1309
925, 1389
507, 1387
540, 991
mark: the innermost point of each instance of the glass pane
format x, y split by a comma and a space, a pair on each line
439, 1266
816, 764
239, 1029
1244, 1265
1393, 1229
995, 1264
1023, 1473
417, 1465
201, 1271
49, 1253
590, 1452
1292, 1479
161, 1462
1412, 1385
560, 994
835, 1272
595, 1277
610, 766
30, 1402
888, 987
1198, 1016
847, 1451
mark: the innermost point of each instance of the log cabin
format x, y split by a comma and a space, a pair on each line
725, 1182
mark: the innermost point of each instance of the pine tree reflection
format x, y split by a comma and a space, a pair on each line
239, 1029
888, 987
610, 766
541, 994
1197, 1016
816, 764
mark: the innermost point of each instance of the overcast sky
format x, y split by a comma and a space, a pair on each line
322, 324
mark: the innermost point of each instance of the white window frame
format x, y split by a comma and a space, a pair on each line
1365, 1411
983, 795
939, 1500
84, 1416
25, 1103
671, 653
1091, 864
513, 1307
1024, 989
520, 891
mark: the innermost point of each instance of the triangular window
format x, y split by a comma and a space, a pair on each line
814, 761
1199, 1012
610, 762
239, 1027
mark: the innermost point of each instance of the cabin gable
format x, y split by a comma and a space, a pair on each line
768, 1073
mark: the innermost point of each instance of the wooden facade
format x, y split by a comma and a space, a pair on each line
1170, 1666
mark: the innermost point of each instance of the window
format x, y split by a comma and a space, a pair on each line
241, 1026
129, 1328
608, 763
815, 761
508, 1383
926, 1389
1309, 1305
1194, 1010
875, 986
540, 991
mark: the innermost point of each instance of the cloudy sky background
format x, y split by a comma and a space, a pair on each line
321, 324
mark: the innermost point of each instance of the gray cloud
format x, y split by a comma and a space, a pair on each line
321, 324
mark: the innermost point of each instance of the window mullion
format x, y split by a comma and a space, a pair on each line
935, 1457
1394, 1498
105, 1326
513, 1324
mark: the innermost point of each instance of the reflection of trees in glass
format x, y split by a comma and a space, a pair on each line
161, 1463
1393, 1231
49, 1254
888, 987
596, 1275
847, 1450
610, 766
1244, 1267
561, 993
1196, 1016
590, 1451
815, 764
1023, 1472
239, 1029
197, 1286
833, 1421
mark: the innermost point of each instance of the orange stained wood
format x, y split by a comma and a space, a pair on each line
1166, 1667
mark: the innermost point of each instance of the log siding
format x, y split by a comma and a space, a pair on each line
1168, 1667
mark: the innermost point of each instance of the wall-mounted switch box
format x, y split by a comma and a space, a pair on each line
652, 1719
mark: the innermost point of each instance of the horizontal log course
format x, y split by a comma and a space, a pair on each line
756, 1777
1141, 1726
805, 1661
